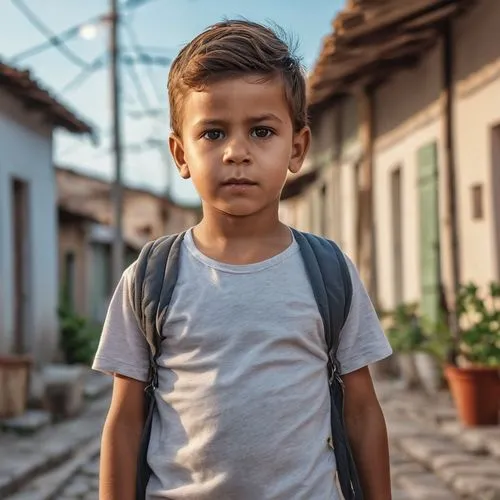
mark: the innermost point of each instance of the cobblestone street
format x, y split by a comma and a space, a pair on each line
85, 485
432, 456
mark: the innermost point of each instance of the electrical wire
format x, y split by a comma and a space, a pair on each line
72, 149
135, 46
150, 113
59, 39
49, 34
150, 49
98, 63
134, 4
141, 92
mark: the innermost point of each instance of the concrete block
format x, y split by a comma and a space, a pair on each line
64, 390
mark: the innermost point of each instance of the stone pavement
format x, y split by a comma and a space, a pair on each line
432, 456
37, 466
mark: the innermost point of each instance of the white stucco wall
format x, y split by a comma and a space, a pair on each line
336, 171
297, 211
477, 105
348, 202
407, 114
26, 154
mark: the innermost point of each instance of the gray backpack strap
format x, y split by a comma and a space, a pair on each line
328, 272
155, 276
330, 280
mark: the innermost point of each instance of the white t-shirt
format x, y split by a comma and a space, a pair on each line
243, 398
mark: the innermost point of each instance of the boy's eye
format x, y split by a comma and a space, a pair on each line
213, 135
262, 132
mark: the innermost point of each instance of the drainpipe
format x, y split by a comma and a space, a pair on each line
451, 219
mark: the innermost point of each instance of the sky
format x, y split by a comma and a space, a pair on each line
160, 28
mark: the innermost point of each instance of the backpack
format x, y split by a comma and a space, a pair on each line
151, 289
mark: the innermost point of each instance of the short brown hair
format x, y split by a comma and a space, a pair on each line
232, 48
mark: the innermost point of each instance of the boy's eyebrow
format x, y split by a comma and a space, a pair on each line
217, 122
265, 117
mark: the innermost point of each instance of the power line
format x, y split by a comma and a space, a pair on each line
49, 34
98, 63
73, 148
141, 92
146, 59
87, 69
58, 39
150, 50
134, 4
135, 46
149, 113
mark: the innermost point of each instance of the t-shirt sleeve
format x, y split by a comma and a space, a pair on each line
123, 348
362, 340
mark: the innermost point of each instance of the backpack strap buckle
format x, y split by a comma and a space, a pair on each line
153, 373
333, 369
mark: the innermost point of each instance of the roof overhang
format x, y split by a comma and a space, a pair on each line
375, 38
24, 87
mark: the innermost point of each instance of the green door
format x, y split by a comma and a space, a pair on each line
429, 231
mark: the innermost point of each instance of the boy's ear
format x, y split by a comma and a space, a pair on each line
178, 154
301, 143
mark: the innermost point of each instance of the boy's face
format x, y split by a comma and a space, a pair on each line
238, 143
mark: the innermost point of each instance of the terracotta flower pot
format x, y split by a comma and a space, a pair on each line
476, 391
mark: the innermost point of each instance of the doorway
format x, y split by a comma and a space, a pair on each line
20, 248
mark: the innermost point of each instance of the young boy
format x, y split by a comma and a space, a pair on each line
243, 399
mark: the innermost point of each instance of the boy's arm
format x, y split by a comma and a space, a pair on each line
120, 440
367, 434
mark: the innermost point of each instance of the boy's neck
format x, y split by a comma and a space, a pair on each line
241, 240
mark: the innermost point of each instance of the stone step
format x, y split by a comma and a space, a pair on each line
30, 422
52, 486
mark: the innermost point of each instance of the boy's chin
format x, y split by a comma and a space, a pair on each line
240, 209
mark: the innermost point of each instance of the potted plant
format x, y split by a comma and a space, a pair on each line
405, 337
475, 378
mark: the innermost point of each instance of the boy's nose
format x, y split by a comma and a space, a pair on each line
236, 152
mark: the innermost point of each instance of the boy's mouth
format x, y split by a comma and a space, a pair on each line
238, 181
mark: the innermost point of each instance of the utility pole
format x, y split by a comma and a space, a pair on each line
118, 246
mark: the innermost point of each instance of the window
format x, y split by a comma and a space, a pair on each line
477, 202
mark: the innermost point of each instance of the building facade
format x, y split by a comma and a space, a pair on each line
407, 148
86, 235
28, 218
